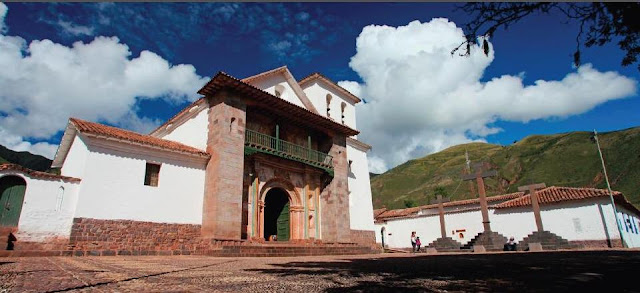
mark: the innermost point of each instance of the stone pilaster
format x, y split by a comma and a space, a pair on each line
222, 206
335, 197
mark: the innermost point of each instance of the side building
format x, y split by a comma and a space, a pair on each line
581, 216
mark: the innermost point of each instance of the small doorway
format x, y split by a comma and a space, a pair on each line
12, 190
276, 215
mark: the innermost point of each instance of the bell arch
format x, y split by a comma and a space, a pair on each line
296, 210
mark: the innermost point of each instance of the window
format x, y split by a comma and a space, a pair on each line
329, 105
343, 105
279, 90
577, 226
60, 198
151, 174
350, 162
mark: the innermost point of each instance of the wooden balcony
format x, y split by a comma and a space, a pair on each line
259, 142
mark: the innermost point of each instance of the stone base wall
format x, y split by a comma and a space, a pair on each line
363, 237
93, 234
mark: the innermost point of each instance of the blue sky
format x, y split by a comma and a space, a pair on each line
243, 39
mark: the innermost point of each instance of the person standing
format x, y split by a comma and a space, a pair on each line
413, 241
418, 243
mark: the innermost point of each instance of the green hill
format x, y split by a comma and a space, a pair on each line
25, 159
569, 159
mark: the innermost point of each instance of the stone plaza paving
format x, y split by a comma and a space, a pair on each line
611, 270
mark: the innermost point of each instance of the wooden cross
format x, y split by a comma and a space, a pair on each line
443, 231
480, 174
534, 201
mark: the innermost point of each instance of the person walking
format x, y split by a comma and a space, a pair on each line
413, 241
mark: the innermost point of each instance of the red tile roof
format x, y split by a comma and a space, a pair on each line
555, 194
36, 174
280, 106
101, 130
411, 211
318, 75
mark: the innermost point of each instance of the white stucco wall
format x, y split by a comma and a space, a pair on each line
630, 227
74, 163
47, 209
269, 83
192, 132
360, 203
468, 223
317, 93
572, 220
113, 185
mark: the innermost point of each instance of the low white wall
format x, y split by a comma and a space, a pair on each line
113, 185
360, 203
48, 208
398, 232
630, 227
572, 220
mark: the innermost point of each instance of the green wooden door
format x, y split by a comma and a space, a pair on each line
283, 224
11, 197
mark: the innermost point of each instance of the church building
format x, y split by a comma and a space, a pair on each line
260, 159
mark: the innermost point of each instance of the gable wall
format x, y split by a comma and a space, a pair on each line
192, 132
75, 161
268, 84
317, 93
113, 185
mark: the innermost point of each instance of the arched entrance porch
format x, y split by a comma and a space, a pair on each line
281, 212
12, 190
276, 215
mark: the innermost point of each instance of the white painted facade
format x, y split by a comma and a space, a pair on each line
113, 185
193, 131
269, 84
360, 202
317, 92
47, 209
112, 171
583, 220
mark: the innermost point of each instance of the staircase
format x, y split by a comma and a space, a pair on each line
492, 241
548, 240
446, 244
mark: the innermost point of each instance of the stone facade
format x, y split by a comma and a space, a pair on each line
222, 210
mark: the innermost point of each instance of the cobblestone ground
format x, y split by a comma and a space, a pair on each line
613, 271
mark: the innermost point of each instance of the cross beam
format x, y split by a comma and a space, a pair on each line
534, 201
480, 174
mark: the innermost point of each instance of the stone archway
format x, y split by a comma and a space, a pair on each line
276, 215
280, 192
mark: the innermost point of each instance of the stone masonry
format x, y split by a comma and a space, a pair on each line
335, 197
222, 210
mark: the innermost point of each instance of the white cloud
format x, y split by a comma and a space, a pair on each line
74, 29
3, 13
44, 83
421, 99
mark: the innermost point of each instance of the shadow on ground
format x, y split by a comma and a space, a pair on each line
606, 271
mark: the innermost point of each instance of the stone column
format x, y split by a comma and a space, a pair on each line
222, 205
335, 197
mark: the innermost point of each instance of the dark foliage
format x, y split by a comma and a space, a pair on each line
600, 23
25, 159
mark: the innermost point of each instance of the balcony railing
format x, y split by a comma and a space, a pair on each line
264, 143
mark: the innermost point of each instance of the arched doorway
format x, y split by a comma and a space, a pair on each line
276, 215
12, 190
